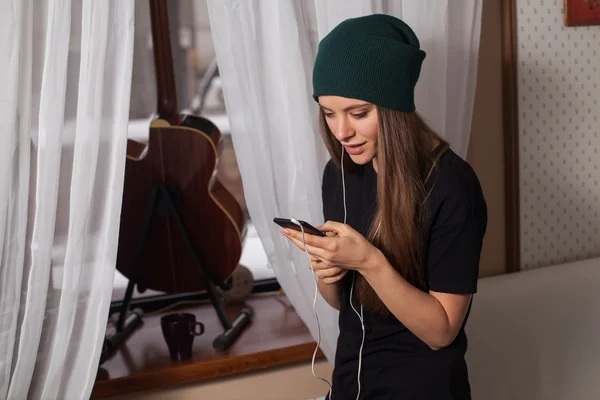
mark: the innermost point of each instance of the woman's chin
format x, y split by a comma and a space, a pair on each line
362, 159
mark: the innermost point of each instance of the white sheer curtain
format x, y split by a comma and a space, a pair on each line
265, 51
65, 69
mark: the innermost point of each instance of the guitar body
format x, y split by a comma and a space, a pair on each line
178, 166
181, 230
184, 157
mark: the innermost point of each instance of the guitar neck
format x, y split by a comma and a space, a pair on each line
163, 62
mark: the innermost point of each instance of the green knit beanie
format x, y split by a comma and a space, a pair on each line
375, 58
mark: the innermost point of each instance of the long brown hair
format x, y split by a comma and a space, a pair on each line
404, 159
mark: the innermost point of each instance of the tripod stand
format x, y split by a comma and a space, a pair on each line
163, 199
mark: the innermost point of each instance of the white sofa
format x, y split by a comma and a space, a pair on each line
536, 334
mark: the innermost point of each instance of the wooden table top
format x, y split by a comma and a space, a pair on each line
277, 336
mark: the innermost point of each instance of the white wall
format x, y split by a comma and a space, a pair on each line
558, 80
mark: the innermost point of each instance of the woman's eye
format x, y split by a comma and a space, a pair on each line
359, 116
328, 115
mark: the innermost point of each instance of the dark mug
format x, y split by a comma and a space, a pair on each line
179, 330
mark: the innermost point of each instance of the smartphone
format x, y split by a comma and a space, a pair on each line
308, 228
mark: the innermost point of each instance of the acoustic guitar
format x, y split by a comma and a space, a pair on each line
181, 156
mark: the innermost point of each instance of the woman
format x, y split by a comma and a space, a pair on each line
405, 220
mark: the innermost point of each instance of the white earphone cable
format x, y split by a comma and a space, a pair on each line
314, 309
360, 316
362, 324
344, 185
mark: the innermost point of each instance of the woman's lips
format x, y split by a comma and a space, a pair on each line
355, 149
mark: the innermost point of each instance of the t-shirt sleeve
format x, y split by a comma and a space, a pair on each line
456, 239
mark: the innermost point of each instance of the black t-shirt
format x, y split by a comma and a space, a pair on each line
396, 364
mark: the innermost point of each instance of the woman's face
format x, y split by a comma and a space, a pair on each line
354, 123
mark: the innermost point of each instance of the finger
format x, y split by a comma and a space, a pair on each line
317, 252
333, 226
313, 240
329, 281
316, 262
296, 242
328, 272
334, 278
322, 264
327, 233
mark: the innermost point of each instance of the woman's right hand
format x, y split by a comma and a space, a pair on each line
328, 274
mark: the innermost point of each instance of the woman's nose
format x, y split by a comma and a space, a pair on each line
344, 131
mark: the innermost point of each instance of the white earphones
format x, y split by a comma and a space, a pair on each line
295, 221
360, 315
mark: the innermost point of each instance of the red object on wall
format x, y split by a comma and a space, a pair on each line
582, 12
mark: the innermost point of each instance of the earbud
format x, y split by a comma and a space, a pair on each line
294, 220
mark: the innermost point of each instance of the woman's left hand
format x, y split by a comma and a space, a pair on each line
346, 248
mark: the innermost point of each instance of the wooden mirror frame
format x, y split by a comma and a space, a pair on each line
511, 136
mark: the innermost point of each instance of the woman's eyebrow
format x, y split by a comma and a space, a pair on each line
355, 106
350, 107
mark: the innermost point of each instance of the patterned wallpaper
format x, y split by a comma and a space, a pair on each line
559, 92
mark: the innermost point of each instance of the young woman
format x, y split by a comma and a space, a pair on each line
405, 220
